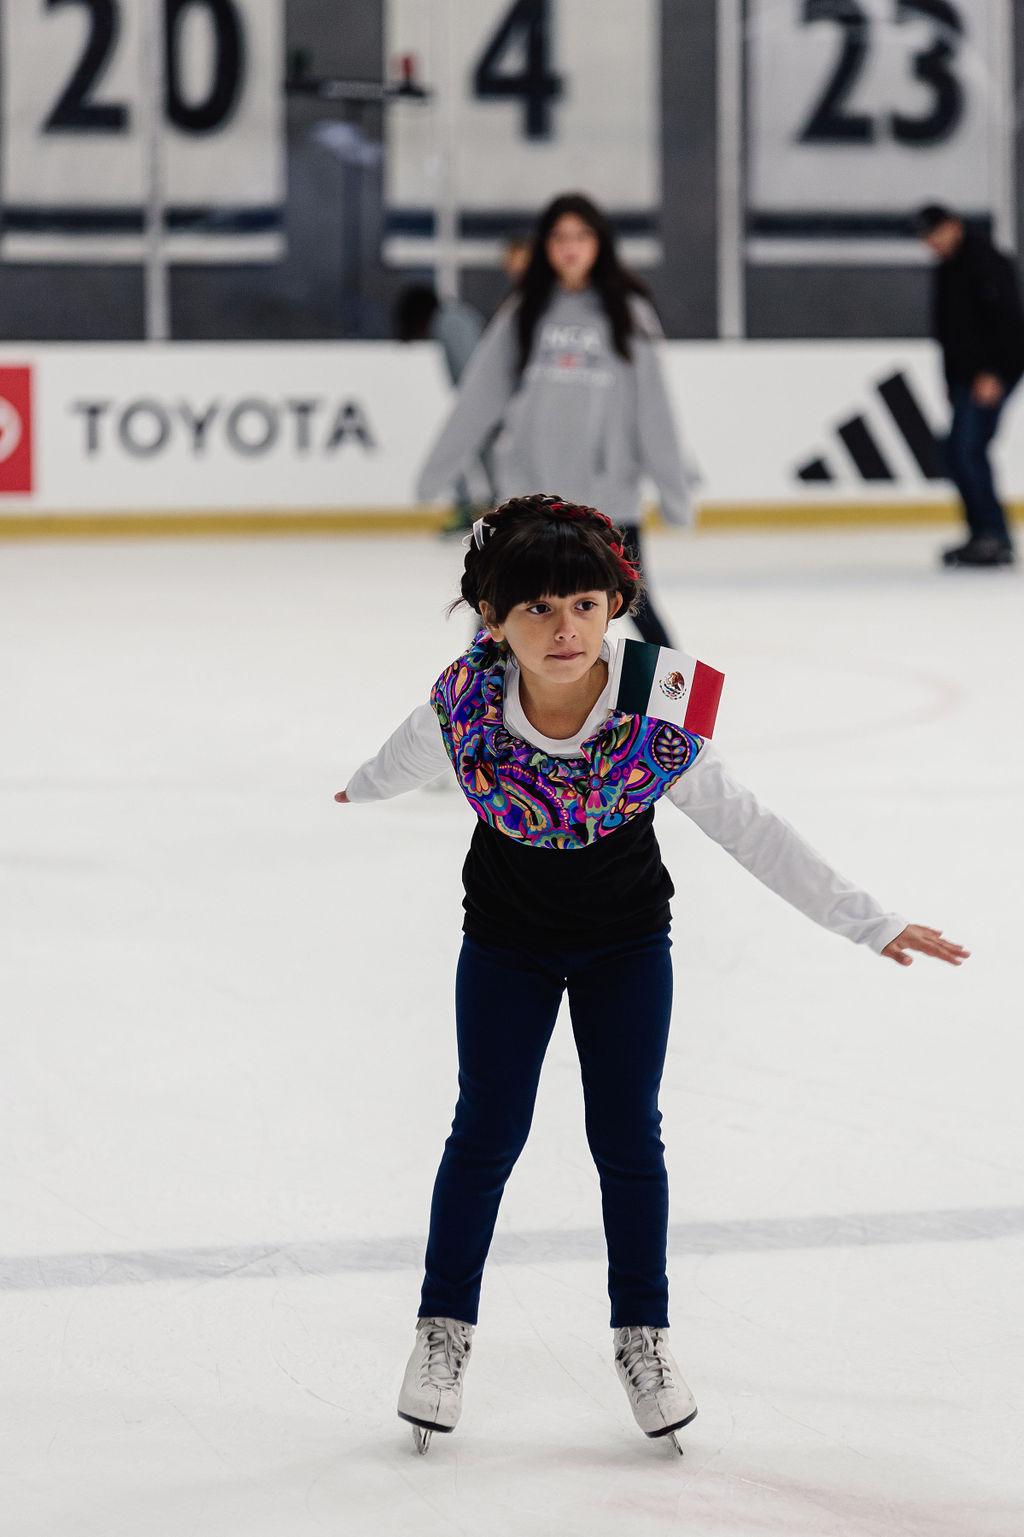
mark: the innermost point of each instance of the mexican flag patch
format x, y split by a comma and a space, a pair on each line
669, 685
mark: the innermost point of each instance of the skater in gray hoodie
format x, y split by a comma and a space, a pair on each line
569, 372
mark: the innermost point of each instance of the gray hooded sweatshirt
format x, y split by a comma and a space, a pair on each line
581, 422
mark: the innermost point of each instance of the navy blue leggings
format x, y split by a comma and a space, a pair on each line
506, 1001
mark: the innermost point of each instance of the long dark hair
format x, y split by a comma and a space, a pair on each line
613, 282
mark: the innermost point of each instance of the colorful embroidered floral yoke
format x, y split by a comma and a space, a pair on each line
554, 803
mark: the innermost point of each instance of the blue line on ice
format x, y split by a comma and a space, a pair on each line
331, 1256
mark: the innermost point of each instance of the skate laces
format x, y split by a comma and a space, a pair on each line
446, 1348
641, 1356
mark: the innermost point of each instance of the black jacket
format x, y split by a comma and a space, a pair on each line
977, 316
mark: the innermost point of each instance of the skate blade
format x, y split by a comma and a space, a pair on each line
422, 1431
669, 1432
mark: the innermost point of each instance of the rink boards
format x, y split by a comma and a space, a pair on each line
332, 434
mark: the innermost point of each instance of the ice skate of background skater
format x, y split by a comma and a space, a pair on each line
565, 890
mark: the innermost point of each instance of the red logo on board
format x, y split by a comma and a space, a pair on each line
15, 430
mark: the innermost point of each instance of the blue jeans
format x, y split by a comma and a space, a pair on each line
971, 431
506, 1000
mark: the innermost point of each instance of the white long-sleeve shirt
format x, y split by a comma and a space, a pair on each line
762, 842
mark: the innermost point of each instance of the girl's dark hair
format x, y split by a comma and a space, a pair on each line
534, 545
613, 282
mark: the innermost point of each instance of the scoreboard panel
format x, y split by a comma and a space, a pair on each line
76, 138
859, 111
528, 98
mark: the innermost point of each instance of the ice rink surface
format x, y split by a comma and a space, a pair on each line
229, 1066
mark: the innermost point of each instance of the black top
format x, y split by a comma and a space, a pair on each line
977, 316
614, 888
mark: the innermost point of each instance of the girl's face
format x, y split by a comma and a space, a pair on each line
572, 249
558, 639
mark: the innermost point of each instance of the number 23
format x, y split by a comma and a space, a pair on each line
831, 123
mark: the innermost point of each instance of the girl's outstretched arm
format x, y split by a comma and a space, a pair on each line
772, 850
412, 756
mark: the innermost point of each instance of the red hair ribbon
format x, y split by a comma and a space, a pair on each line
578, 513
628, 567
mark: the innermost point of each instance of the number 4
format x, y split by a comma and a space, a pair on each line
526, 24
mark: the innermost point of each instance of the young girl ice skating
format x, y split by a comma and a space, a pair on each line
565, 890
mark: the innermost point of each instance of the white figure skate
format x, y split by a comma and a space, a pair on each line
431, 1396
660, 1400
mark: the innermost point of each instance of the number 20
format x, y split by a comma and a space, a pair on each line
829, 123
77, 111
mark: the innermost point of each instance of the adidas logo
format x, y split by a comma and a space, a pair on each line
863, 447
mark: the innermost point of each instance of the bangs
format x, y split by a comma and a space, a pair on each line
540, 546
553, 561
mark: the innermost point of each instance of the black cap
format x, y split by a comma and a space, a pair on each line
929, 218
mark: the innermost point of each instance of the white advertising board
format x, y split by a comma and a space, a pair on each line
345, 426
208, 427
822, 422
75, 125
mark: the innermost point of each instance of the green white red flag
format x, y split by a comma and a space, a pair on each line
667, 684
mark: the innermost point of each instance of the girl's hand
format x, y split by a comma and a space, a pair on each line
929, 941
342, 798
